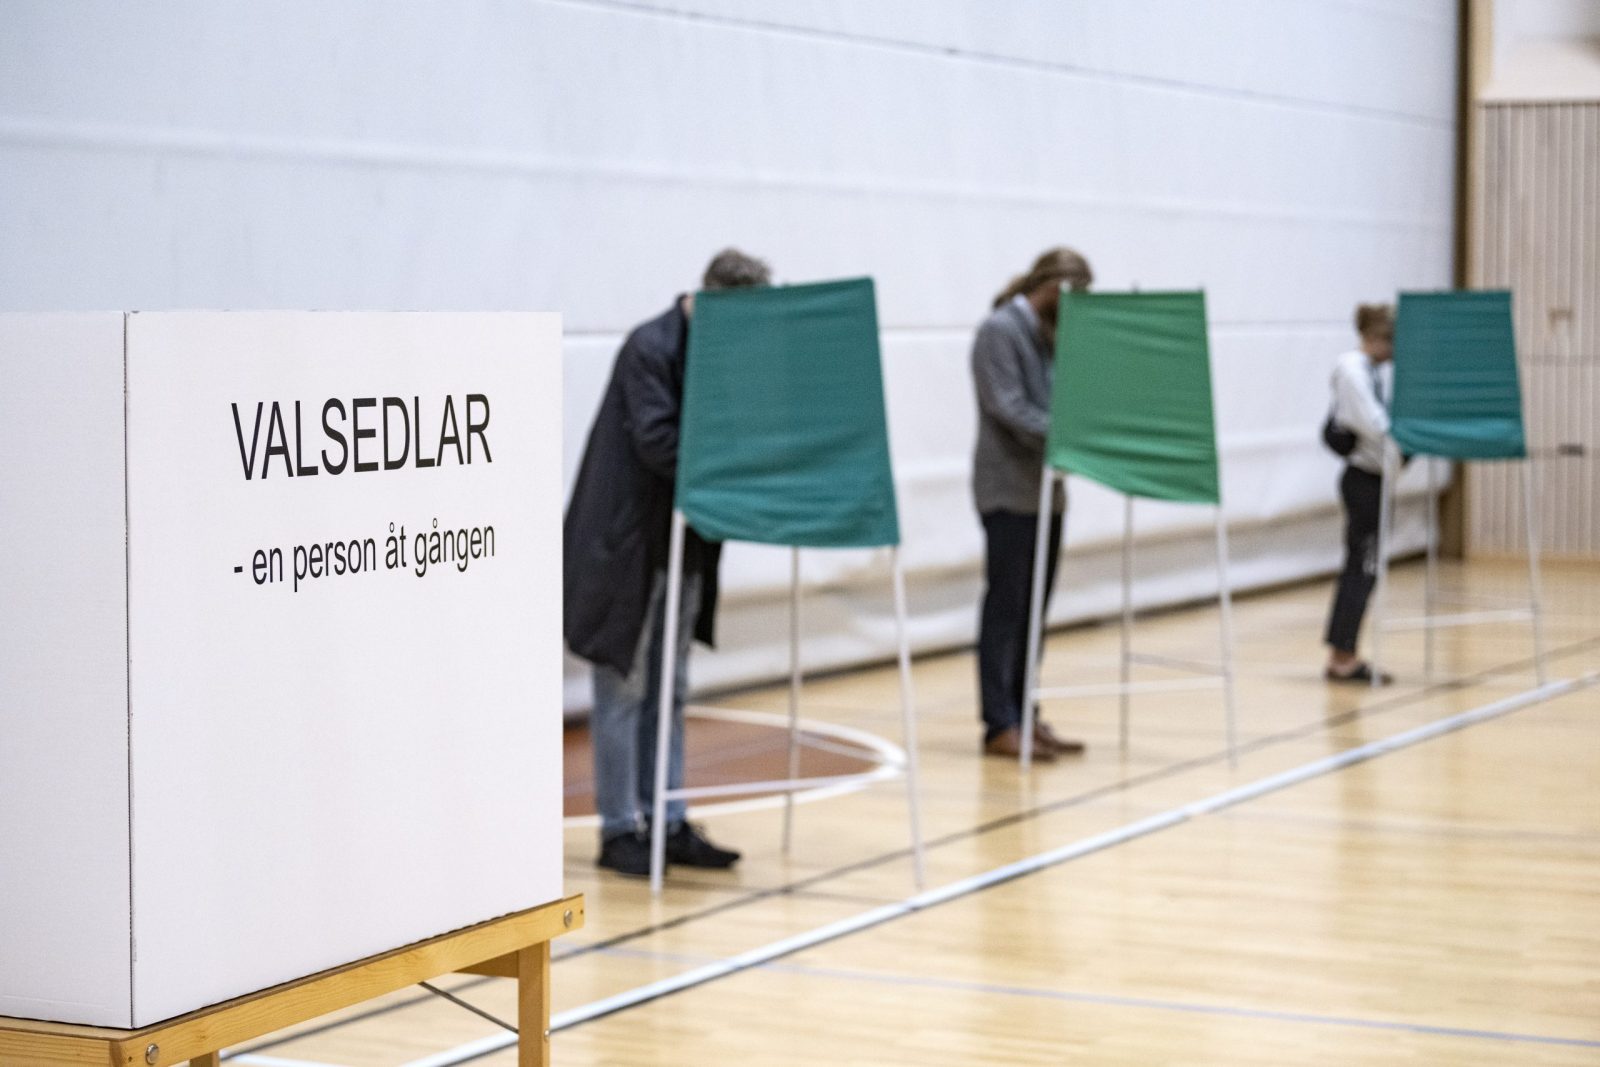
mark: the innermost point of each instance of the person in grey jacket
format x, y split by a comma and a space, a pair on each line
1012, 358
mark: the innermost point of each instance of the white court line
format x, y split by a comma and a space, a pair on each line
988, 879
471, 1050
891, 760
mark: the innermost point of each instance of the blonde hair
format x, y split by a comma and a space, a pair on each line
1055, 265
1375, 319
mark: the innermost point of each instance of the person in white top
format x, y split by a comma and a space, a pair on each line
1361, 385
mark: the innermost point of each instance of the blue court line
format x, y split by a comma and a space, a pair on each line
1112, 1000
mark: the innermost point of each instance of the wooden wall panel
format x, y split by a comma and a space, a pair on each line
1538, 231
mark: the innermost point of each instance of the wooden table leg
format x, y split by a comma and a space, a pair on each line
533, 1006
209, 1059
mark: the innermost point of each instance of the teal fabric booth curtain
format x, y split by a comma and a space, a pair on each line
784, 437
1456, 391
1131, 404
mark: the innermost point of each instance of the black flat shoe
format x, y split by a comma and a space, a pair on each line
1360, 674
627, 853
688, 847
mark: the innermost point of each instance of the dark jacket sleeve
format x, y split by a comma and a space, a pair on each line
997, 370
652, 405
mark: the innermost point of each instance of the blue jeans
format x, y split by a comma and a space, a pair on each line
626, 713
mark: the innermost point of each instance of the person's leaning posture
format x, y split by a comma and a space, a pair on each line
615, 541
1012, 358
1360, 385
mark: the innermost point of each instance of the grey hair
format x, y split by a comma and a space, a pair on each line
732, 269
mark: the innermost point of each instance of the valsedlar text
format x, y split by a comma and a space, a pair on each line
365, 433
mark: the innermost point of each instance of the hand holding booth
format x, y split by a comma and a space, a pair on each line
1131, 408
784, 442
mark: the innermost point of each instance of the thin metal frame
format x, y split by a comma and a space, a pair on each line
1430, 583
794, 695
1125, 687
1430, 622
794, 783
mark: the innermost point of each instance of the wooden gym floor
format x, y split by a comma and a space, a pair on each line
1436, 903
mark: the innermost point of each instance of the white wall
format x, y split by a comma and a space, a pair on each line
1515, 22
1544, 51
588, 155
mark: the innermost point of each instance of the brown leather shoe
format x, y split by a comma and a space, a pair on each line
1008, 744
1046, 738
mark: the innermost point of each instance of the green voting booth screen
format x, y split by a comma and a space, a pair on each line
784, 438
1456, 392
1131, 405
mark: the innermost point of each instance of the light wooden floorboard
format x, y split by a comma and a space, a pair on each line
1439, 904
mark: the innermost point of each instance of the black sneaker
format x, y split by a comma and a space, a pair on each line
627, 853
687, 846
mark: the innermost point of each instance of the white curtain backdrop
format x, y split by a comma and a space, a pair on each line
588, 156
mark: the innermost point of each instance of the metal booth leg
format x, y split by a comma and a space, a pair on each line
1225, 618
1127, 620
1431, 577
794, 696
1030, 685
1381, 563
669, 681
908, 712
1535, 591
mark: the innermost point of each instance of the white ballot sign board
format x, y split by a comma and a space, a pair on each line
280, 675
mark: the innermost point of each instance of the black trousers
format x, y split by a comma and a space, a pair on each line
1362, 494
1003, 624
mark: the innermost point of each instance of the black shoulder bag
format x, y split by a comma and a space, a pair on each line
1340, 441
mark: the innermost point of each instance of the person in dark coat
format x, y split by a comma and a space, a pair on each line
615, 548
